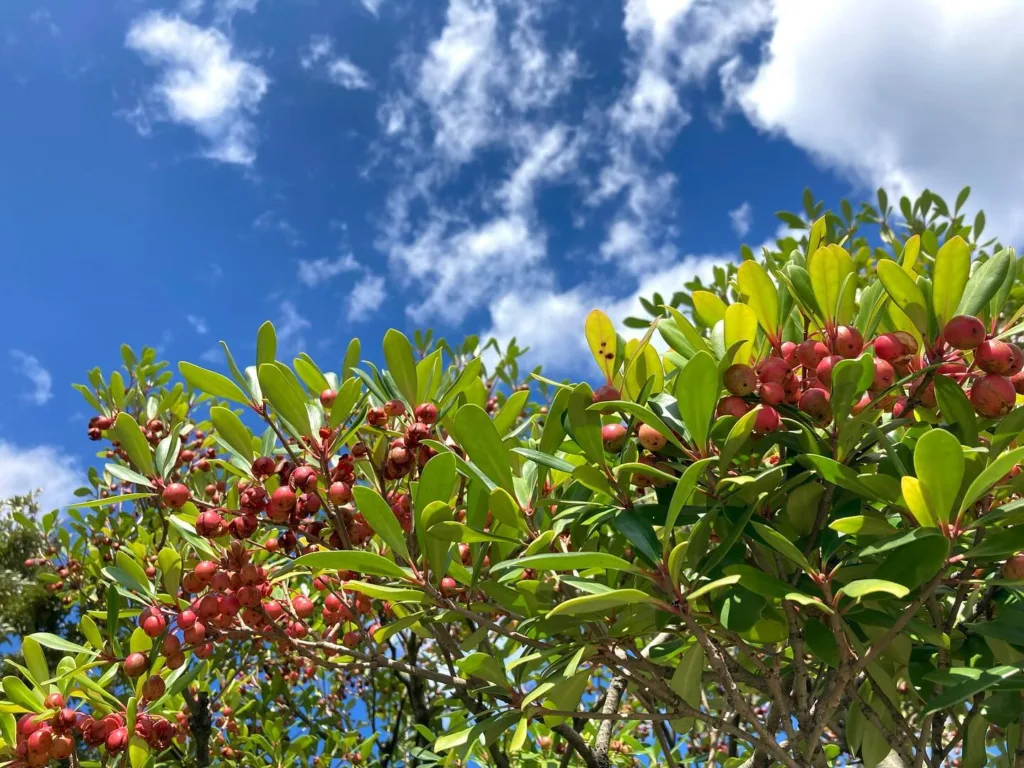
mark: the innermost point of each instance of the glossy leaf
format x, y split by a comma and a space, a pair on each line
697, 389
128, 432
285, 398
602, 602
381, 519
950, 274
602, 340
939, 465
761, 295
352, 560
212, 383
709, 308
401, 363
233, 431
482, 443
905, 294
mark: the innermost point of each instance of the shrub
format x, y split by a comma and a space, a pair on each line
788, 535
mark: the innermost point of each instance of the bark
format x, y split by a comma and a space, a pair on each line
604, 734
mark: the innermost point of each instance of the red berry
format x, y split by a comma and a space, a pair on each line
614, 437
154, 688
771, 393
824, 369
186, 619
303, 606
209, 524
327, 398
811, 352
154, 625
994, 356
205, 570
176, 495
350, 639
848, 341
339, 493
1014, 568
740, 379
117, 740
263, 466
767, 420
426, 413
888, 347
964, 332
135, 664
732, 406
304, 478
650, 438
606, 393
282, 501
773, 369
1018, 361
815, 403
993, 396
885, 375
54, 701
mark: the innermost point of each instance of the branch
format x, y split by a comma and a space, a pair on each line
604, 734
576, 741
199, 724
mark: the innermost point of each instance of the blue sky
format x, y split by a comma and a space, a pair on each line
174, 172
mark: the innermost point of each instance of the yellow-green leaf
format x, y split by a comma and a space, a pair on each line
600, 602
266, 343
602, 341
697, 389
285, 397
480, 439
212, 383
644, 364
761, 295
740, 325
913, 497
949, 278
381, 519
401, 363
708, 307
505, 508
128, 432
231, 429
939, 465
861, 588
904, 293
829, 268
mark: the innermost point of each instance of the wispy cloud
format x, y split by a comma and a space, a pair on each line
198, 324
316, 272
42, 383
270, 221
204, 84
741, 218
366, 297
40, 467
291, 329
319, 55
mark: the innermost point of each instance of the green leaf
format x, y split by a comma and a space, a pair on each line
266, 344
783, 546
110, 500
59, 643
170, 569
128, 432
356, 561
505, 508
543, 459
90, 631
35, 660
351, 359
381, 519
16, 692
850, 380
401, 363
829, 267
681, 497
989, 476
484, 666
904, 293
212, 383
392, 594
603, 342
760, 294
520, 735
949, 278
310, 374
965, 690
939, 465
285, 398
697, 388
956, 409
124, 473
138, 752
862, 587
479, 438
686, 680
507, 416
585, 424
231, 429
862, 525
449, 530
985, 284
347, 397
601, 602
737, 438
569, 561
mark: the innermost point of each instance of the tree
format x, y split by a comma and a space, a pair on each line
792, 538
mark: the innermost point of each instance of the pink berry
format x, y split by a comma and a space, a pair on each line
964, 332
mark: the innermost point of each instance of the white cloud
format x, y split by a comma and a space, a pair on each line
191, 7
550, 322
315, 272
225, 10
373, 6
343, 72
203, 84
198, 324
741, 218
340, 70
44, 18
291, 329
947, 116
42, 382
367, 296
475, 80
269, 221
42, 467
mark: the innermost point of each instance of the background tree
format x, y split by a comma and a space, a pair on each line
793, 538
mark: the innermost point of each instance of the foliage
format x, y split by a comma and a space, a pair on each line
792, 538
